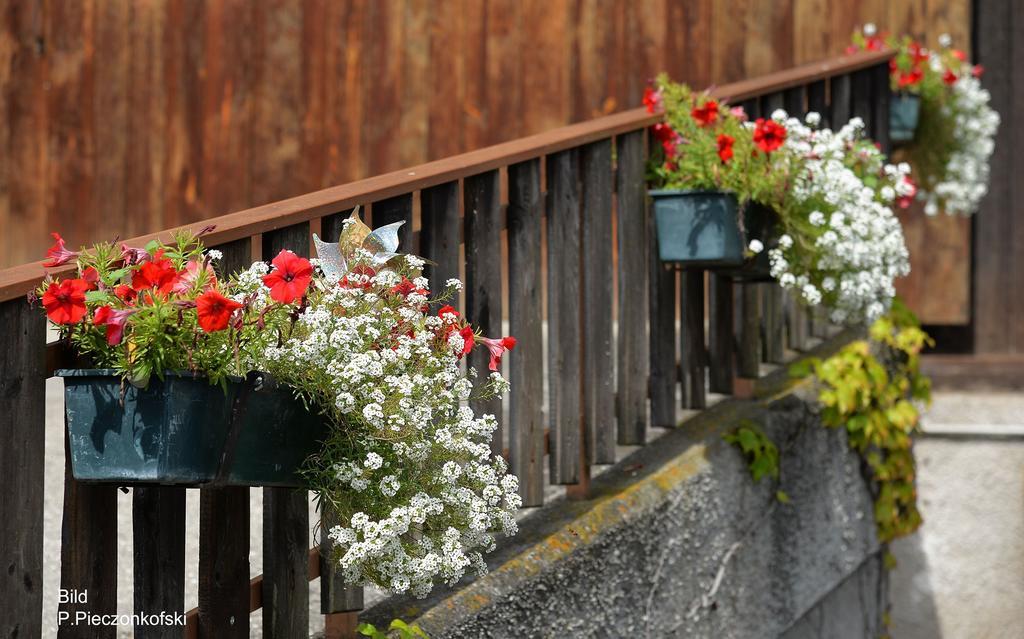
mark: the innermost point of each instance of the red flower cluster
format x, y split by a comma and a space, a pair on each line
58, 253
706, 114
64, 301
725, 143
669, 139
214, 310
768, 135
652, 100
158, 273
290, 278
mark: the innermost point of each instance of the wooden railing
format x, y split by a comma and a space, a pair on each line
570, 206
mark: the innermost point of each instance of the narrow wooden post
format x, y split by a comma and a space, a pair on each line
526, 414
441, 234
773, 328
597, 271
22, 420
339, 601
748, 358
564, 296
861, 96
396, 209
880, 106
632, 343
286, 514
694, 353
483, 281
158, 516
839, 102
817, 101
720, 334
224, 526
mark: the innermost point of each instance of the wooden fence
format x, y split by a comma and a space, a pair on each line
569, 204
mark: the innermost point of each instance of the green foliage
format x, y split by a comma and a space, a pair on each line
874, 389
762, 455
398, 628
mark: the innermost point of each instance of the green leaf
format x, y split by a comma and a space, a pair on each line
782, 496
96, 297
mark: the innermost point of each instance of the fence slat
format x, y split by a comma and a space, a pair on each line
691, 338
772, 322
772, 101
839, 101
794, 98
22, 420
396, 209
632, 344
720, 334
598, 360
817, 100
860, 99
332, 225
335, 595
483, 280
158, 532
564, 315
88, 551
748, 358
880, 106
440, 234
286, 511
224, 525
662, 343
526, 414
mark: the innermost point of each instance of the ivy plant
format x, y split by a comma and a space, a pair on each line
398, 628
874, 388
761, 453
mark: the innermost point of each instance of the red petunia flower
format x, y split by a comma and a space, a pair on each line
978, 70
132, 255
959, 55
652, 100
91, 277
114, 321
125, 293
668, 137
158, 273
725, 143
406, 287
191, 274
214, 310
468, 340
738, 113
768, 135
911, 78
290, 277
706, 114
58, 253
365, 274
497, 348
949, 77
448, 313
65, 301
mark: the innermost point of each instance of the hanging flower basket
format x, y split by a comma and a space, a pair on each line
184, 431
904, 111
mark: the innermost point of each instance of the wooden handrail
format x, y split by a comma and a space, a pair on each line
19, 280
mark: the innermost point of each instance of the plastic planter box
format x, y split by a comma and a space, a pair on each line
698, 228
904, 111
183, 431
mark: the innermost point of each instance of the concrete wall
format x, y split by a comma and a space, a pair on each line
678, 542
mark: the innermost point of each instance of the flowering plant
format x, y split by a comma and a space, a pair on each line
705, 145
147, 311
956, 128
407, 471
843, 246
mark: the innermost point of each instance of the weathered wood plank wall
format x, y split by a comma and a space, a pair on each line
123, 117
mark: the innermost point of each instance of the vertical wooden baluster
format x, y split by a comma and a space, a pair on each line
564, 333
22, 420
483, 280
440, 235
662, 334
224, 524
332, 225
771, 102
396, 209
526, 415
598, 361
794, 100
339, 602
286, 513
860, 99
881, 94
88, 551
632, 344
817, 101
694, 353
772, 322
158, 516
720, 334
748, 358
839, 101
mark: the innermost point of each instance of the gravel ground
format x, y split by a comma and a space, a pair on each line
962, 575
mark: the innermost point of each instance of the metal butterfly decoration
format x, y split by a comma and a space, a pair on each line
381, 243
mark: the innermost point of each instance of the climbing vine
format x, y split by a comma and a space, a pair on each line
874, 388
761, 453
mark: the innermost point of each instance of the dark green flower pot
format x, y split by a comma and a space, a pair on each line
904, 111
698, 228
183, 431
761, 223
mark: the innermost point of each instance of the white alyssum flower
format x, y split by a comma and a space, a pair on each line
755, 246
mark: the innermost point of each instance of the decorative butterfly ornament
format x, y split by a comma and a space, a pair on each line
381, 243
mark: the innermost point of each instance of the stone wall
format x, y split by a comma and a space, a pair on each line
679, 542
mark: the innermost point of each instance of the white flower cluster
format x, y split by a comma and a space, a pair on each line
844, 245
409, 470
965, 178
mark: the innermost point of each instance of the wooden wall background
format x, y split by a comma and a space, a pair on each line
127, 116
